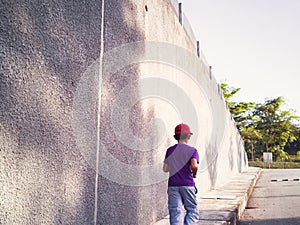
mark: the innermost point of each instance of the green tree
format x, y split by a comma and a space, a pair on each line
298, 155
252, 138
239, 110
275, 125
264, 127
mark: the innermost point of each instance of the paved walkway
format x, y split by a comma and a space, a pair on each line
225, 205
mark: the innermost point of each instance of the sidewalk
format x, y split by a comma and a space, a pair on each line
225, 205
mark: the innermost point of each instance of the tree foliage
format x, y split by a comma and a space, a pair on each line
264, 127
275, 125
239, 110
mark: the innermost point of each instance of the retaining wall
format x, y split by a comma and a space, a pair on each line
90, 93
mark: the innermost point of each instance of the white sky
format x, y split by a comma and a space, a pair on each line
252, 44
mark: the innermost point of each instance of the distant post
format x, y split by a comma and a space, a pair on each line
268, 157
180, 12
198, 49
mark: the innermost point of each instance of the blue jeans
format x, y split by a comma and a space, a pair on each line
182, 196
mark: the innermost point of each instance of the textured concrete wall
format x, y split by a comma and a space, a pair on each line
86, 117
45, 47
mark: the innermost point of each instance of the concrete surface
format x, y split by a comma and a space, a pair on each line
274, 202
226, 204
45, 46
78, 144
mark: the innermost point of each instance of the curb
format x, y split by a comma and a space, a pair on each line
249, 192
233, 208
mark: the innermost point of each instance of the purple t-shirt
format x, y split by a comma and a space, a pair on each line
178, 158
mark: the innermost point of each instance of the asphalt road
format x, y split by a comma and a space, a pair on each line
274, 202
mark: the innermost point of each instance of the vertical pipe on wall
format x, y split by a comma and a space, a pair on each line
99, 112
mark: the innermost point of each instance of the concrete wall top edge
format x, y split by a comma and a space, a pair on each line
185, 22
189, 30
175, 3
